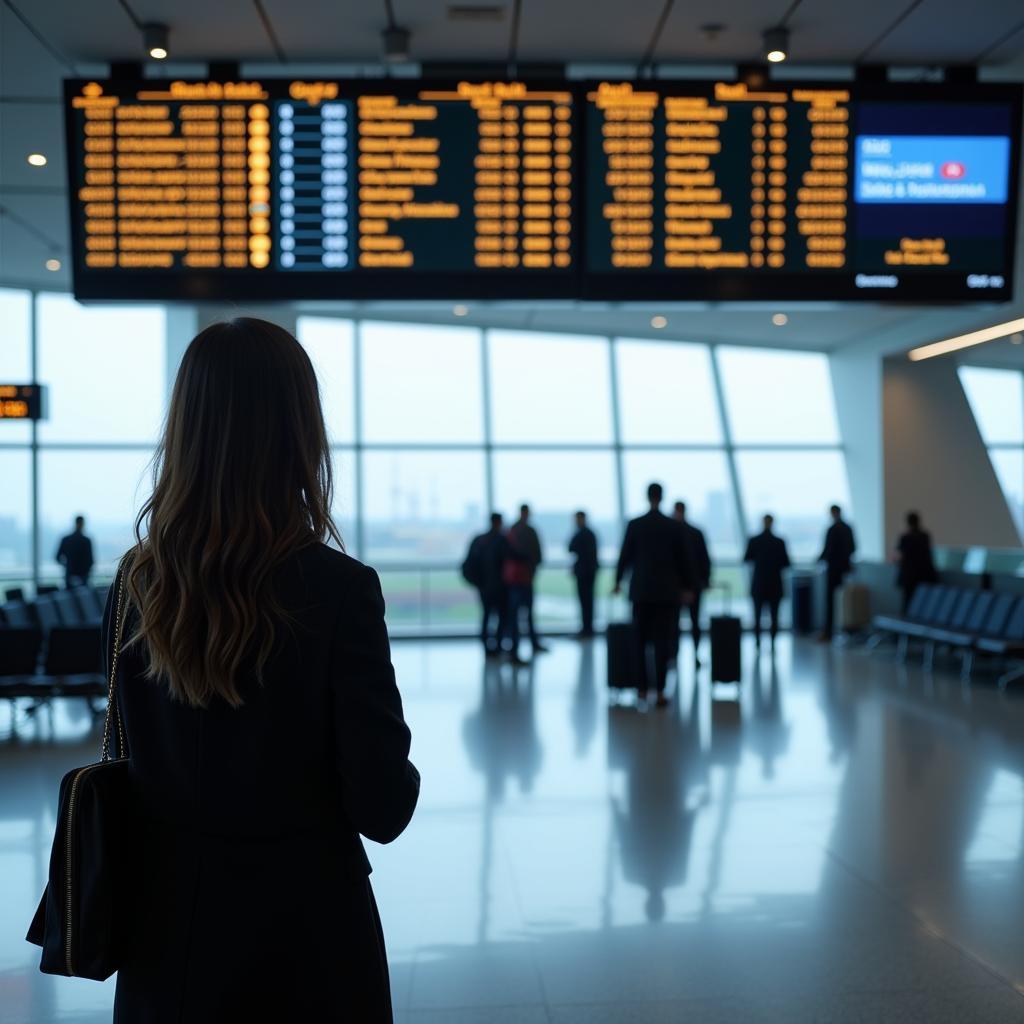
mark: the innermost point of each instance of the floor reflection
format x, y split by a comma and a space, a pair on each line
841, 838
660, 756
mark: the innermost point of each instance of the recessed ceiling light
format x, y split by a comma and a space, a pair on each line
780, 319
460, 310
156, 39
1017, 339
36, 159
53, 264
657, 322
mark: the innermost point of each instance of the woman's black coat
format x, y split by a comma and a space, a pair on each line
252, 900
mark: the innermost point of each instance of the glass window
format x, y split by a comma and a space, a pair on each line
666, 393
421, 383
1009, 466
329, 343
775, 397
797, 488
105, 367
107, 487
345, 506
549, 388
555, 485
15, 356
996, 398
701, 479
422, 505
15, 510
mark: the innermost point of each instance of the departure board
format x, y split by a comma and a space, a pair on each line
616, 190
296, 189
720, 190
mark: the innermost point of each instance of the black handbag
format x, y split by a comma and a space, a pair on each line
80, 918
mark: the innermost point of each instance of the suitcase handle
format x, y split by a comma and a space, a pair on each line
726, 589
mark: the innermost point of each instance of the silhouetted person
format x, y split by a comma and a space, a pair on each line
584, 546
75, 554
700, 565
264, 725
654, 555
520, 571
769, 558
837, 555
914, 555
483, 568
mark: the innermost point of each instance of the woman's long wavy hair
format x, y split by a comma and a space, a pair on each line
241, 480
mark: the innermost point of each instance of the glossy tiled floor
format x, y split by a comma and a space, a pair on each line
847, 845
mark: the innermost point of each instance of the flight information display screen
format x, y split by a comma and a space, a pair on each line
715, 190
283, 189
646, 190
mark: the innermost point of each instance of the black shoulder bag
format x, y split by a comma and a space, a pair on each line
80, 918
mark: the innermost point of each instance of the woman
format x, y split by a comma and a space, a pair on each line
263, 721
914, 555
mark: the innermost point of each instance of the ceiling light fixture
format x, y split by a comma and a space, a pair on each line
53, 264
1017, 339
657, 322
780, 319
36, 159
775, 44
395, 42
156, 39
460, 310
959, 341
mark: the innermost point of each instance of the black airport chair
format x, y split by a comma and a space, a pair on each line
1009, 644
88, 605
47, 616
997, 613
962, 637
19, 650
67, 608
16, 613
14, 594
963, 605
915, 611
46, 588
19, 658
937, 611
74, 650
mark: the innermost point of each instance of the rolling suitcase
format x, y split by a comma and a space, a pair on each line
725, 649
622, 673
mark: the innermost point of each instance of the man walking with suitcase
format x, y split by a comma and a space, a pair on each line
837, 556
654, 555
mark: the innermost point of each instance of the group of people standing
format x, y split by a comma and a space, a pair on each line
502, 565
669, 567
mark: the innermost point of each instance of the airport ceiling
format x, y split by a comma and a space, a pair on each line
43, 41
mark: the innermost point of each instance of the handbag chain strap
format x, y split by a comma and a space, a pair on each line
112, 709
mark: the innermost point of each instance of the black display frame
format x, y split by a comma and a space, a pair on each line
344, 285
825, 285
576, 282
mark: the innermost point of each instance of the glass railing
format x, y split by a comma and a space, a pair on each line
998, 561
432, 599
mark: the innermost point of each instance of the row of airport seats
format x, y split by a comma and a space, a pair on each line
51, 646
961, 619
